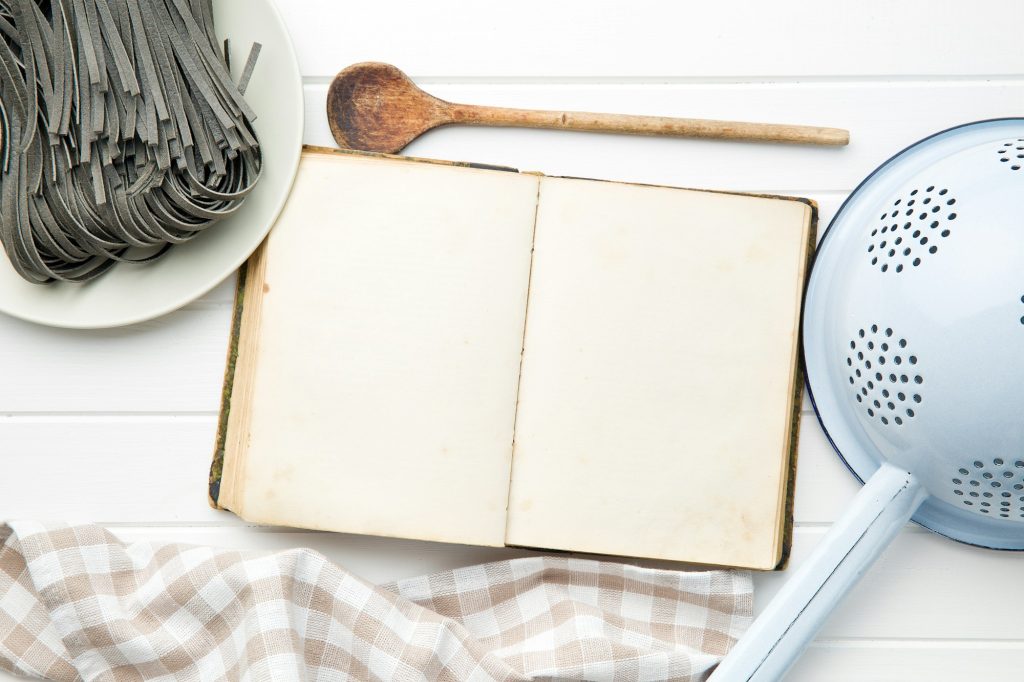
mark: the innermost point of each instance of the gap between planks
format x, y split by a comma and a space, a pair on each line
192, 417
809, 528
78, 417
916, 643
654, 81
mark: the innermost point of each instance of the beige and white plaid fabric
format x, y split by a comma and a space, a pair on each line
76, 603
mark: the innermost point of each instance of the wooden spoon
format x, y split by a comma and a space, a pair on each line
375, 107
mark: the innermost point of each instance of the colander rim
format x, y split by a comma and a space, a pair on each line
935, 526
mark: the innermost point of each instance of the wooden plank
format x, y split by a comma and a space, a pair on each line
908, 661
114, 469
892, 661
171, 455
883, 118
172, 364
651, 39
54, 464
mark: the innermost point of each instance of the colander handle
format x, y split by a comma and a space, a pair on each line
794, 616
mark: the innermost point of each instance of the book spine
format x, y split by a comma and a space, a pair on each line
217, 465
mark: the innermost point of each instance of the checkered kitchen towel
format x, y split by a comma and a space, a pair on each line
76, 603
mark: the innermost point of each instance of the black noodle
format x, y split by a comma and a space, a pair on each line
123, 132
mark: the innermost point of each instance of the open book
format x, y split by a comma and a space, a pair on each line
474, 355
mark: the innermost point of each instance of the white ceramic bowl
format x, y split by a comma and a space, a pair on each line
134, 293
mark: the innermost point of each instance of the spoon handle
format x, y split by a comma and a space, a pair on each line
646, 125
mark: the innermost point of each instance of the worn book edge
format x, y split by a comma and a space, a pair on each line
247, 297
794, 434
217, 466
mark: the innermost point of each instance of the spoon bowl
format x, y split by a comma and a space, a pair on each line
375, 107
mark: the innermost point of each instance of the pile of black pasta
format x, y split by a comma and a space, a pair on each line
123, 132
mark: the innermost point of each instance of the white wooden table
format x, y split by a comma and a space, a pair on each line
117, 426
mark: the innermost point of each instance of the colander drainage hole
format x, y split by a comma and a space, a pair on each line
889, 397
1012, 153
907, 225
1000, 479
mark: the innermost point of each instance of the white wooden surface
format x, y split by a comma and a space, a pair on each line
117, 426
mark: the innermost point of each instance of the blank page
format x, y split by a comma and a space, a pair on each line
657, 389
389, 350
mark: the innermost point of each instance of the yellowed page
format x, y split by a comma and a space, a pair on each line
389, 349
657, 381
